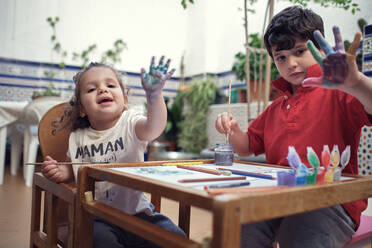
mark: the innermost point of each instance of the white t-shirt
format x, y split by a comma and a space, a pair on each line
114, 145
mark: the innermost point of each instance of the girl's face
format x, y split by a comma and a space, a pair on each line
293, 63
101, 97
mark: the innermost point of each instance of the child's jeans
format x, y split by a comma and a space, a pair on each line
107, 235
324, 228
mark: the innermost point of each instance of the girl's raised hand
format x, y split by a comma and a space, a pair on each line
339, 68
153, 81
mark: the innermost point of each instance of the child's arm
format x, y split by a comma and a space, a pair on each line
57, 173
227, 124
153, 83
340, 70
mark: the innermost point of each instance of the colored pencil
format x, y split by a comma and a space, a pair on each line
184, 163
238, 190
227, 185
211, 179
205, 170
249, 174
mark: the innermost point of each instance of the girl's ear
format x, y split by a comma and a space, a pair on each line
125, 102
82, 113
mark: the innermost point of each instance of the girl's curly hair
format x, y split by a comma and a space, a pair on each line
71, 117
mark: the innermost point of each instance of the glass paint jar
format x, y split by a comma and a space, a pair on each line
224, 154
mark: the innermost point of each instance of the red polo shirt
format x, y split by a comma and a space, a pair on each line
313, 117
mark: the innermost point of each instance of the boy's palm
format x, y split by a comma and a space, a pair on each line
153, 82
339, 68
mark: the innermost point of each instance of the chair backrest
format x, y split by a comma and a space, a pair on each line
59, 223
53, 142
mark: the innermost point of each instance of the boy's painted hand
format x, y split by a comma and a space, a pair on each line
339, 68
153, 82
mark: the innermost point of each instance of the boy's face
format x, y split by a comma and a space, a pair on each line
293, 63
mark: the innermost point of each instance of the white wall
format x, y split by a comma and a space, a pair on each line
149, 27
224, 31
209, 32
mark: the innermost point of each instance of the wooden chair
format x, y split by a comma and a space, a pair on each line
53, 221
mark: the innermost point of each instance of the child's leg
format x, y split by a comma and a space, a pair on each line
329, 228
259, 234
108, 235
159, 220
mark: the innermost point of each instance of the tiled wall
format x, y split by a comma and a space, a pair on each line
365, 145
19, 79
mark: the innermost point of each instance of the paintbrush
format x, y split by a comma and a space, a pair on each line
58, 163
228, 110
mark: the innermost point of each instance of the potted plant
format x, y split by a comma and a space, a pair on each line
196, 99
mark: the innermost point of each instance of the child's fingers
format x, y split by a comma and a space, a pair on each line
152, 67
338, 40
225, 121
49, 170
49, 158
142, 74
322, 42
161, 61
170, 74
166, 66
354, 46
315, 52
220, 123
313, 81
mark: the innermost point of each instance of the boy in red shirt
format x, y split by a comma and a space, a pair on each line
306, 116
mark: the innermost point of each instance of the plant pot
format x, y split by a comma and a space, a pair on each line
242, 95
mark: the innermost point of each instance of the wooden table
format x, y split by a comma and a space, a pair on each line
229, 211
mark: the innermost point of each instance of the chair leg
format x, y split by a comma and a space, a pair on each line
16, 146
51, 221
2, 152
31, 157
35, 215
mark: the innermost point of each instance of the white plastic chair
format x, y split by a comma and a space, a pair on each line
32, 115
9, 114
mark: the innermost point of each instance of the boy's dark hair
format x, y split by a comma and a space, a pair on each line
71, 117
289, 24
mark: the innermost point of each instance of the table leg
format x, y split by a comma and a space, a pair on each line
226, 225
2, 152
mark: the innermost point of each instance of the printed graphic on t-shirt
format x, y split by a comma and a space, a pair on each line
106, 150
